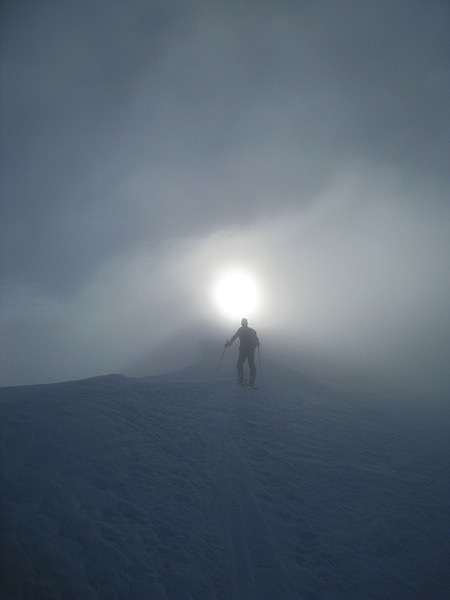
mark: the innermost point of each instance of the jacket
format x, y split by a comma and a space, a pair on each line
247, 337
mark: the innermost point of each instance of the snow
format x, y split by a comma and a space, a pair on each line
181, 487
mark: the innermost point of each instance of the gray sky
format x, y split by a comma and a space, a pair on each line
148, 145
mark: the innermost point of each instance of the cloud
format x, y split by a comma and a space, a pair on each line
360, 273
148, 145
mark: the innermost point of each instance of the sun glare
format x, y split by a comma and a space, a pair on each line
236, 294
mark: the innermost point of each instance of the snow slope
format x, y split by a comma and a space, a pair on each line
183, 488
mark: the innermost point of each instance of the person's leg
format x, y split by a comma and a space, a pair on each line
240, 366
252, 366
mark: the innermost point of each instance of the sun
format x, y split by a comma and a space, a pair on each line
236, 294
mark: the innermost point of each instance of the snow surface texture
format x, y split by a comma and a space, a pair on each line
182, 488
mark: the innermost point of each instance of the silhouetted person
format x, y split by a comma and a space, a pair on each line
248, 343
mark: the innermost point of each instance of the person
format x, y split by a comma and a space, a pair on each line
248, 343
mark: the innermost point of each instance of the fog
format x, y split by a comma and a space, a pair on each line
147, 146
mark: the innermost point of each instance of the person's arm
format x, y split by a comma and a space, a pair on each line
236, 335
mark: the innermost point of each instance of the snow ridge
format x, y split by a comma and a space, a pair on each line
180, 487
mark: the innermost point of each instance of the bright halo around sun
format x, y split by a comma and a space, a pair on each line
236, 294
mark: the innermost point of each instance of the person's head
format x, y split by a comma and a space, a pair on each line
244, 322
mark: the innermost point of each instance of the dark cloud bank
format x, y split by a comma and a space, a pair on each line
147, 145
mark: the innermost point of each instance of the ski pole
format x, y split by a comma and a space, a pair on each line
260, 369
219, 362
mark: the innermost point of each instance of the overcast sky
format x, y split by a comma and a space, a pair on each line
147, 145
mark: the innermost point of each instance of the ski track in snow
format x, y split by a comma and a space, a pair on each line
180, 488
